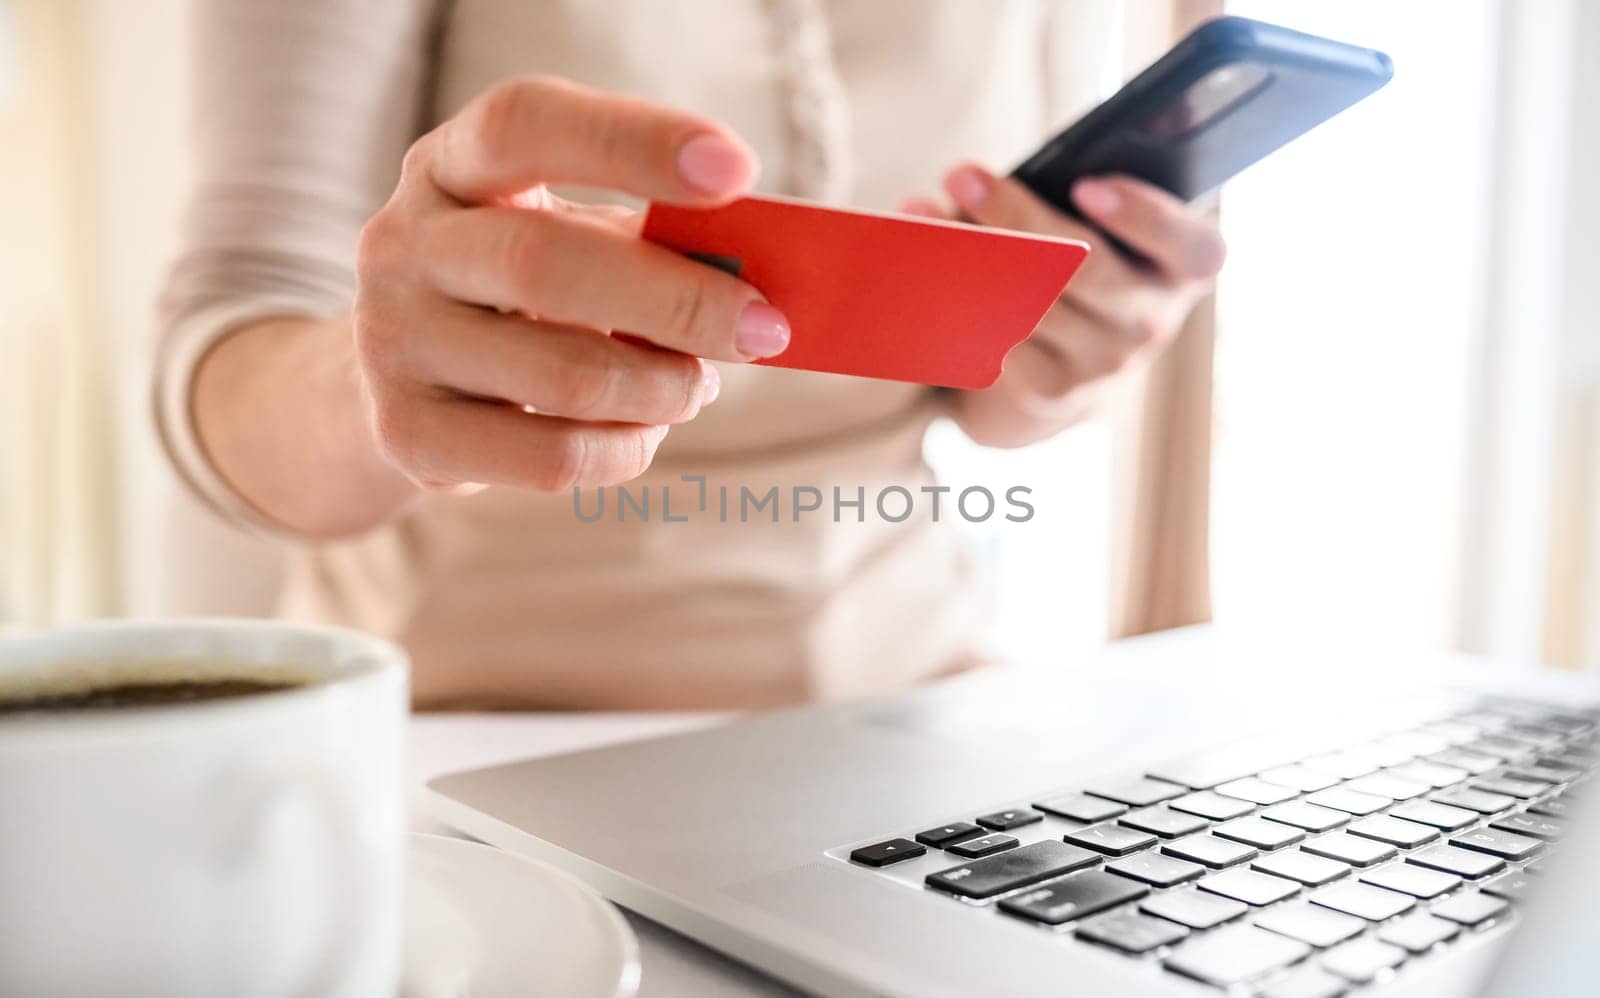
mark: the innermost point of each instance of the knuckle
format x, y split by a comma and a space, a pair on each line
564, 466
394, 429
686, 313
419, 157
501, 111
377, 337
381, 247
524, 247
591, 388
1151, 326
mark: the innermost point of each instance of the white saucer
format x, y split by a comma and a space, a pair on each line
485, 923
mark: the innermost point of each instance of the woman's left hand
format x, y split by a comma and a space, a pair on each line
1116, 315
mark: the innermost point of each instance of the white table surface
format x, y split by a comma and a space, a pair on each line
674, 965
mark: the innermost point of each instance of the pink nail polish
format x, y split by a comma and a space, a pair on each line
969, 186
713, 383
1096, 198
762, 331
714, 165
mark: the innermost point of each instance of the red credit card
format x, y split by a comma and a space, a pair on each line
878, 295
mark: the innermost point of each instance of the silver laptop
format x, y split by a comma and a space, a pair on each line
1187, 816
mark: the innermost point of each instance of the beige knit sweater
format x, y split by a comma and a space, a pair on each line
305, 108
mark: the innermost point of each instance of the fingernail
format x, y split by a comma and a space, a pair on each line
762, 331
712, 379
714, 165
919, 206
968, 185
1096, 197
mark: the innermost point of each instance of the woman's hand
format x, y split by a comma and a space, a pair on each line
1115, 315
485, 306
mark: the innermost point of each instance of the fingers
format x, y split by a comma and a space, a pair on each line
445, 442
564, 269
558, 370
541, 130
1182, 244
1007, 204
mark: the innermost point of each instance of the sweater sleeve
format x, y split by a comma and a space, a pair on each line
301, 111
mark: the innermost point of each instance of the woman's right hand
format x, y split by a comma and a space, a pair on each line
483, 319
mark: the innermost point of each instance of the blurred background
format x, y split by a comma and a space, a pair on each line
1399, 414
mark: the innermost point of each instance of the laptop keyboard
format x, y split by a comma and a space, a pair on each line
1282, 876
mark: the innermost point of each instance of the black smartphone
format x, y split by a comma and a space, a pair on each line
1227, 95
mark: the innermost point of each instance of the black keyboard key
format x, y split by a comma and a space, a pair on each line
1362, 960
1461, 862
1471, 909
1163, 822
1155, 869
1441, 816
1480, 801
1309, 923
1110, 839
1349, 801
1004, 821
1081, 807
1256, 791
946, 834
984, 878
1510, 885
1522, 789
988, 845
1208, 850
1210, 804
1193, 909
1131, 932
1506, 845
884, 853
1395, 831
1529, 824
1258, 832
1418, 933
1137, 793
1305, 816
1296, 864
1074, 897
1412, 880
1227, 958
1307, 982
1363, 901
1554, 807
1352, 849
1252, 888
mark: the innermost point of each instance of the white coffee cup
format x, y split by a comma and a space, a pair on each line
247, 846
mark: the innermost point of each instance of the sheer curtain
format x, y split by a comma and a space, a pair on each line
58, 457
1161, 553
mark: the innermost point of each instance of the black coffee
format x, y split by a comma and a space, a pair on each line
144, 694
